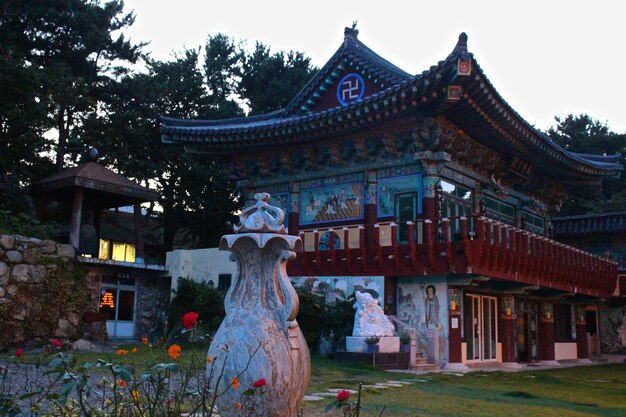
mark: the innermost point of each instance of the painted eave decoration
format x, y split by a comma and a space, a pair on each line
357, 90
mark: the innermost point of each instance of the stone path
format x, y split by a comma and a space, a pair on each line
332, 392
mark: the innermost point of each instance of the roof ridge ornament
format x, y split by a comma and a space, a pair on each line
352, 32
258, 219
461, 47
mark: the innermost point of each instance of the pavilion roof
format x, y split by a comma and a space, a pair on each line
594, 223
112, 188
465, 96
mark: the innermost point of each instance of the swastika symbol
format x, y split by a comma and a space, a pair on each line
350, 89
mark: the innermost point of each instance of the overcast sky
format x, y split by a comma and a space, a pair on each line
546, 58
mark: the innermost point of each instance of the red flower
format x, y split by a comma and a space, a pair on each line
343, 395
19, 352
260, 383
190, 319
56, 343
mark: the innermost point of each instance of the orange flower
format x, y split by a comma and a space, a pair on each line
174, 351
134, 394
121, 352
237, 405
235, 382
134, 350
121, 383
144, 340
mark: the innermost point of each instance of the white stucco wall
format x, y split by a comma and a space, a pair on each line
199, 265
564, 351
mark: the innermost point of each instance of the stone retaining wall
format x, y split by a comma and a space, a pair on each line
43, 292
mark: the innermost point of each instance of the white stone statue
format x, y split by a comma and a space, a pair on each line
369, 319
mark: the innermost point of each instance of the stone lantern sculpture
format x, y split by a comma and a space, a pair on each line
259, 337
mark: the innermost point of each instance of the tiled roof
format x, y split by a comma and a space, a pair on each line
93, 176
483, 113
590, 224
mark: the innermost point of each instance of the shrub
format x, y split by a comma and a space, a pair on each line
199, 297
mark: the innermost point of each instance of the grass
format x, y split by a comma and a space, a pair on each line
565, 392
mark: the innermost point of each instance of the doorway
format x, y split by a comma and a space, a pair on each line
480, 318
406, 210
118, 298
526, 330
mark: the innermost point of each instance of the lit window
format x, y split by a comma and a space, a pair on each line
103, 252
130, 253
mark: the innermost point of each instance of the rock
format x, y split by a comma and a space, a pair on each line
7, 241
4, 274
22, 273
31, 255
65, 329
2, 292
19, 313
12, 290
33, 241
82, 345
38, 274
13, 256
74, 318
66, 251
48, 247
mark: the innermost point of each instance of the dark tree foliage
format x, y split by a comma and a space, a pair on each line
70, 52
194, 196
270, 81
583, 134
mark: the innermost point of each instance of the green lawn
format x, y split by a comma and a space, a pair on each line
582, 391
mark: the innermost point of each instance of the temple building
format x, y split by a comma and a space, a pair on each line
432, 194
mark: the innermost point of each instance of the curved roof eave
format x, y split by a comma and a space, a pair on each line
283, 118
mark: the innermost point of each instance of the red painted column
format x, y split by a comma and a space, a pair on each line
370, 208
455, 301
546, 334
507, 328
582, 349
294, 209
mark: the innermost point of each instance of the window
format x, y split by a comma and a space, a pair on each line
456, 202
500, 211
117, 251
534, 223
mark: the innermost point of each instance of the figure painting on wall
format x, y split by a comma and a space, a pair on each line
332, 203
613, 329
431, 308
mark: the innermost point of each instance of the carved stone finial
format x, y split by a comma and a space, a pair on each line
259, 219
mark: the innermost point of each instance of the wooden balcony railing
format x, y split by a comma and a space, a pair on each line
462, 245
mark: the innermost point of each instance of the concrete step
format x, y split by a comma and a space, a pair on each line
425, 367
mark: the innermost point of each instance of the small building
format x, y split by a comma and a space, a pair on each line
130, 282
432, 194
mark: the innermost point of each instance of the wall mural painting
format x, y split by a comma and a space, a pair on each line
331, 204
342, 288
422, 305
613, 329
389, 187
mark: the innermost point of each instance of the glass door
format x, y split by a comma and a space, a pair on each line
526, 329
481, 327
118, 300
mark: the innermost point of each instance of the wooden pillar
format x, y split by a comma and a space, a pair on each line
140, 254
370, 207
546, 335
294, 209
430, 183
582, 349
455, 297
77, 213
507, 328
